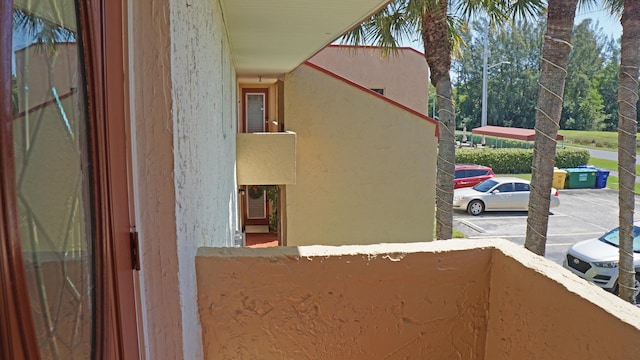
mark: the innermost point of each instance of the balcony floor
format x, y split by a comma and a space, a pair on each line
261, 240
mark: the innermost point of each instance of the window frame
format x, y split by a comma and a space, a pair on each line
116, 330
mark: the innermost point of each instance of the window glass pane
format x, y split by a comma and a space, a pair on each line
52, 170
522, 187
255, 113
505, 187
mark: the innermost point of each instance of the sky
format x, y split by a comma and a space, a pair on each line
610, 26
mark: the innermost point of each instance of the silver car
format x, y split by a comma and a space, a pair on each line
597, 259
497, 194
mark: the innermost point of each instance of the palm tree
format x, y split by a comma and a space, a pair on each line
627, 125
555, 57
436, 22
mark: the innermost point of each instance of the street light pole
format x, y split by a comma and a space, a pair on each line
485, 68
485, 60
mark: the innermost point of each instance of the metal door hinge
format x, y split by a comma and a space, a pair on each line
135, 250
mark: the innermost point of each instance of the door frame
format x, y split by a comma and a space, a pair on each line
246, 91
17, 330
265, 128
245, 209
115, 317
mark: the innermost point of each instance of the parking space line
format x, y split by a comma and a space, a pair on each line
523, 217
524, 235
492, 218
495, 237
578, 234
473, 226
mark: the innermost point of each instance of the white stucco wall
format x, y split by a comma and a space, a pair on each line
183, 150
204, 146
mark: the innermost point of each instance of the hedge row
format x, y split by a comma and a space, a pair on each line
518, 161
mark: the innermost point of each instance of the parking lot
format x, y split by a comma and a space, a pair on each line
582, 214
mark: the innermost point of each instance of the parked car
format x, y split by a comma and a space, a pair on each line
497, 194
597, 259
468, 175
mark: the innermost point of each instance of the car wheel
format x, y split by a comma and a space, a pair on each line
476, 207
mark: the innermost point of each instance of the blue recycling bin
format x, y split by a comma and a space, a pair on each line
601, 178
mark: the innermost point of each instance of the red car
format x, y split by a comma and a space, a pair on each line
468, 175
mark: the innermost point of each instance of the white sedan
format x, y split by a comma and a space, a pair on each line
597, 259
497, 194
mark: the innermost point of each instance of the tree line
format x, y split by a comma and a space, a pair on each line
591, 89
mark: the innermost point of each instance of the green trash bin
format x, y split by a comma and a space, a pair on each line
581, 178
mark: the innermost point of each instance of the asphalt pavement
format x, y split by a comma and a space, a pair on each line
603, 154
582, 214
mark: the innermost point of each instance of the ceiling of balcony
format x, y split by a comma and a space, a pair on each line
270, 37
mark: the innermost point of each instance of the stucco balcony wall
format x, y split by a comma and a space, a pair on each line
266, 158
468, 299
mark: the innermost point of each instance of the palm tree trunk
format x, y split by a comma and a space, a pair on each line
555, 56
446, 160
627, 127
437, 50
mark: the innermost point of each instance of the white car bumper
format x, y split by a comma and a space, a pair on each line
603, 277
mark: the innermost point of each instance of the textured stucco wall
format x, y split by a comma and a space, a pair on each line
183, 124
404, 76
400, 301
533, 317
204, 121
365, 169
452, 299
266, 158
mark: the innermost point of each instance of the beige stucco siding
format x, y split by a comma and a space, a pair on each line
343, 302
531, 317
451, 299
404, 75
365, 168
266, 158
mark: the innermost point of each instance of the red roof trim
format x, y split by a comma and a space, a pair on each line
375, 47
44, 104
509, 133
381, 97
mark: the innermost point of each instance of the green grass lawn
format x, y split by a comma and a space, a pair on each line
611, 165
608, 164
594, 139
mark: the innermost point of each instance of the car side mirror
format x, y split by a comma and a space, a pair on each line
496, 191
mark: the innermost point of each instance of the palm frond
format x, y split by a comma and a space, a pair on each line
386, 29
40, 30
527, 9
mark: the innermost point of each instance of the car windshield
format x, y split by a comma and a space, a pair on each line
613, 238
485, 185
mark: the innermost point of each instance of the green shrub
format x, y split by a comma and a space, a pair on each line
571, 158
518, 161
